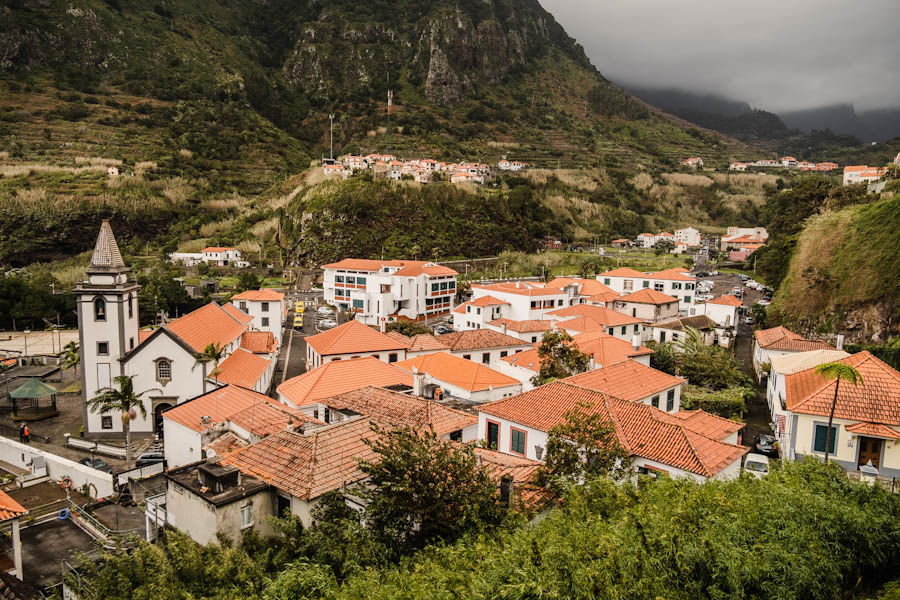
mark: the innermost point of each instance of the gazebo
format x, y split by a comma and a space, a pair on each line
33, 389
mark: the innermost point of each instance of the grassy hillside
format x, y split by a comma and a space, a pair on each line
844, 273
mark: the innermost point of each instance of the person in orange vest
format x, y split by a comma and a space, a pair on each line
26, 433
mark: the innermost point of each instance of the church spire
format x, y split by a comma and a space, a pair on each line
106, 250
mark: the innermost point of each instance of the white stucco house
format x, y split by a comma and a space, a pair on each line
460, 378
776, 341
267, 308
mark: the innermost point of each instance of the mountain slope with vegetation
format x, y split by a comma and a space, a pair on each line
212, 106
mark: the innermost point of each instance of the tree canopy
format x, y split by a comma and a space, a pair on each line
560, 357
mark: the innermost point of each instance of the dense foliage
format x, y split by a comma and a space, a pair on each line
725, 403
582, 447
804, 531
27, 301
560, 357
712, 367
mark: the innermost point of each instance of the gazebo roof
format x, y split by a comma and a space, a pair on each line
33, 388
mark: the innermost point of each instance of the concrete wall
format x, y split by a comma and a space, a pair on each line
495, 355
313, 360
663, 395
183, 445
846, 450
21, 455
650, 313
275, 314
534, 437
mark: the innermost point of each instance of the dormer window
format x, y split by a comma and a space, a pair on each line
99, 309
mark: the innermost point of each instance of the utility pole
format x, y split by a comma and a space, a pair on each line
331, 128
390, 103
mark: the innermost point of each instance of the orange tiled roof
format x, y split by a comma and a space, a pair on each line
625, 271
393, 409
217, 248
876, 400
226, 443
710, 425
642, 430
265, 418
209, 324
262, 295
307, 465
586, 287
522, 288
701, 322
670, 275
218, 405
237, 313
352, 337
478, 339
627, 379
603, 298
874, 430
486, 301
242, 368
9, 508
457, 371
602, 315
259, 342
647, 296
424, 342
782, 338
337, 377
414, 269
527, 326
604, 348
143, 334
581, 324
521, 470
363, 264
728, 300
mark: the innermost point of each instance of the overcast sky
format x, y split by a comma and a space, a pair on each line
778, 55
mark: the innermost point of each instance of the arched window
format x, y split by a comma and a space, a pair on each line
163, 369
130, 306
99, 309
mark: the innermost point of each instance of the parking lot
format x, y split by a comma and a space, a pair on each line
723, 283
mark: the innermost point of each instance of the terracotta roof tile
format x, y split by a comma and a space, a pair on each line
218, 405
671, 275
701, 322
586, 287
604, 348
710, 425
9, 508
647, 296
600, 314
226, 443
874, 430
242, 368
875, 400
625, 271
781, 338
487, 301
522, 288
727, 300
521, 470
307, 465
627, 379
352, 337
259, 342
527, 326
477, 339
237, 313
143, 334
603, 298
424, 342
337, 377
393, 409
264, 418
262, 295
363, 264
209, 324
642, 430
581, 324
453, 370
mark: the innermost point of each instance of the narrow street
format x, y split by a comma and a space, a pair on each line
757, 416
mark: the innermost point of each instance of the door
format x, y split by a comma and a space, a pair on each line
869, 449
662, 337
493, 435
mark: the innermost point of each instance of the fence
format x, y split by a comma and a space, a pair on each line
97, 483
138, 473
96, 447
12, 432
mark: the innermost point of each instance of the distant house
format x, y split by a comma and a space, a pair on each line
693, 162
739, 166
687, 236
112, 171
676, 329
789, 162
646, 240
724, 310
223, 256
826, 166
620, 243
777, 341
862, 174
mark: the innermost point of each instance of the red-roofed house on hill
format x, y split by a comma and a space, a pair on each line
777, 341
866, 427
724, 310
378, 291
223, 256
521, 301
647, 305
673, 282
266, 306
658, 442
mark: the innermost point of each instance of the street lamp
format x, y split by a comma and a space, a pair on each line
331, 127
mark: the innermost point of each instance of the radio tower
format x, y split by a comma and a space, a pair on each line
390, 103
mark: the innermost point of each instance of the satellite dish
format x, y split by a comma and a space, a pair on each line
210, 453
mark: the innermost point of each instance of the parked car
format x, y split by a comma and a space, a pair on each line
743, 277
705, 297
701, 274
766, 444
713, 273
96, 463
149, 458
763, 302
747, 320
757, 465
442, 329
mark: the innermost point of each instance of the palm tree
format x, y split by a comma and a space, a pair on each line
839, 372
71, 357
213, 353
123, 400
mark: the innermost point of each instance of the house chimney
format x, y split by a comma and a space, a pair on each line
592, 364
418, 383
840, 342
636, 341
504, 329
382, 327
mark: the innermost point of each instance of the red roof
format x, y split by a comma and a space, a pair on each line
642, 430
728, 300
714, 426
647, 296
670, 275
430, 269
603, 298
479, 339
876, 400
527, 326
219, 405
601, 314
586, 287
457, 371
237, 313
625, 271
782, 338
604, 348
581, 324
259, 342
486, 301
143, 334
9, 508
628, 380
352, 337
263, 295
265, 418
393, 409
307, 465
337, 377
242, 368
209, 324
217, 248
522, 288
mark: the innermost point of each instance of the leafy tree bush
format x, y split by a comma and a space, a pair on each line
247, 281
725, 403
560, 357
407, 328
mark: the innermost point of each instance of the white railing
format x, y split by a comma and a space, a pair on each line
139, 473
96, 447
